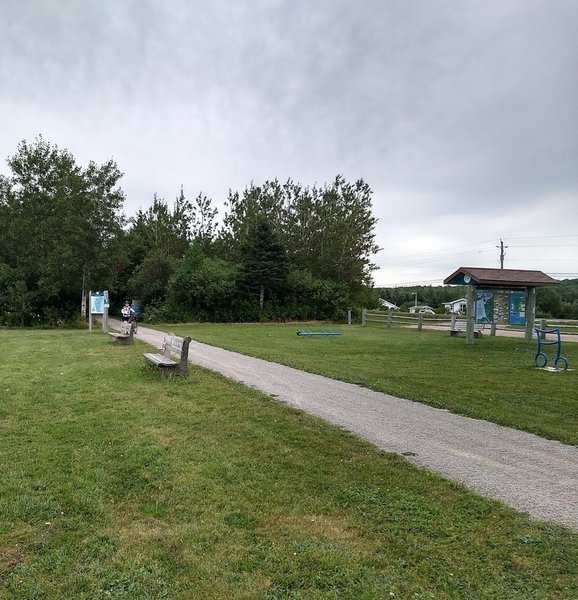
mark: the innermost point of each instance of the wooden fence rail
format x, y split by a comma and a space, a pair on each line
390, 318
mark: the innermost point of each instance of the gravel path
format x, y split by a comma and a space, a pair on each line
530, 474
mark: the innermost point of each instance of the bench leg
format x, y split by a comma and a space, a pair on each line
169, 371
173, 372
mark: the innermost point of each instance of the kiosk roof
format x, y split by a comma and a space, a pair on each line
499, 277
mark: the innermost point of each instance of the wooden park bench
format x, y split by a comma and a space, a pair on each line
123, 337
459, 329
175, 357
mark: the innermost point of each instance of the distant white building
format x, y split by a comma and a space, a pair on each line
456, 306
387, 304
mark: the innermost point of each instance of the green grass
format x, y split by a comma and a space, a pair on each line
495, 379
117, 483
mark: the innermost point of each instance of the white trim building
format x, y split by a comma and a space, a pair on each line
458, 306
386, 304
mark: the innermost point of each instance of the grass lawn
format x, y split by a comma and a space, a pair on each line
495, 379
117, 483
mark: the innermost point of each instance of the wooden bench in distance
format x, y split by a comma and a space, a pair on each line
459, 329
123, 338
176, 347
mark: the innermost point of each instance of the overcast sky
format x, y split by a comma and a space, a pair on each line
461, 115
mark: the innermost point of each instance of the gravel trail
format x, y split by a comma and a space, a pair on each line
528, 473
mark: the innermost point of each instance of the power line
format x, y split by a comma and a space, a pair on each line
547, 260
437, 258
444, 250
433, 257
544, 237
409, 283
545, 246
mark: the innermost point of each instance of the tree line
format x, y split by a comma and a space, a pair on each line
560, 302
280, 250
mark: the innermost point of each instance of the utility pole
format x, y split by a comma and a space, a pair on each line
502, 253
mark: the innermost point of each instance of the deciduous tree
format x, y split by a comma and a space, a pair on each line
59, 221
327, 230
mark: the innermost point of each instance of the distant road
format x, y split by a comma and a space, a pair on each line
515, 333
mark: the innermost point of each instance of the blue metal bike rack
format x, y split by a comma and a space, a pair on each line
541, 357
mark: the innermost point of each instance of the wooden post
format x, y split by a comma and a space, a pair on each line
349, 317
83, 301
530, 313
470, 314
493, 328
89, 311
453, 321
363, 316
389, 319
105, 314
419, 321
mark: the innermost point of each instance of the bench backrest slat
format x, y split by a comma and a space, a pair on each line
459, 325
173, 345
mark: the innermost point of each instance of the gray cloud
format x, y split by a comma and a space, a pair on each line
461, 116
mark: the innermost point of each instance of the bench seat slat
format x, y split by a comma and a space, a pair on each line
460, 327
159, 359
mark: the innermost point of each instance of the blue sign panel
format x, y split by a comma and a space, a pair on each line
484, 306
97, 303
518, 308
